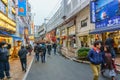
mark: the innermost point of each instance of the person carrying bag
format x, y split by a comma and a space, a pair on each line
109, 70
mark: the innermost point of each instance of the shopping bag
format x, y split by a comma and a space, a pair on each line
109, 73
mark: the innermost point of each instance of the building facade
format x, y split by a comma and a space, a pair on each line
7, 21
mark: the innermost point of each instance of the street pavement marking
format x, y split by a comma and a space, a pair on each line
24, 78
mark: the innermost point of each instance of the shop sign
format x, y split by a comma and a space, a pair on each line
58, 32
92, 12
2, 7
10, 9
21, 29
22, 7
107, 13
108, 22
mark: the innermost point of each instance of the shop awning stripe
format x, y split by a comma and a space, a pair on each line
103, 30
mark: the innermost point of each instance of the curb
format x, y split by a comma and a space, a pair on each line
74, 59
24, 78
81, 61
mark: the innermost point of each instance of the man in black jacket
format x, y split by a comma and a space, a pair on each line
23, 57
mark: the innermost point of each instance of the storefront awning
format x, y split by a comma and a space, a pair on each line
4, 33
11, 35
16, 38
107, 29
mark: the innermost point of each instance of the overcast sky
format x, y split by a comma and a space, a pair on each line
42, 8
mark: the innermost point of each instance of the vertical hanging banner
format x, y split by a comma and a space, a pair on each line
92, 11
22, 8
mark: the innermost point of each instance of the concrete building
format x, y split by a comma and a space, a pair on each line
42, 31
74, 25
36, 28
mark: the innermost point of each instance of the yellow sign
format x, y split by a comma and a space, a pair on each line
31, 37
6, 19
7, 26
5, 2
13, 10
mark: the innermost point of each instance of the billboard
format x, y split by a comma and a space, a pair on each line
22, 8
107, 13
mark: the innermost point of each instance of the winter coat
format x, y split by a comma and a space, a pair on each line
3, 54
55, 46
37, 49
22, 53
49, 47
95, 57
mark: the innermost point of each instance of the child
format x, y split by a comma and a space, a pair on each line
108, 62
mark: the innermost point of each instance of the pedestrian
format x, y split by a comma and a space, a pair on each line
110, 42
23, 57
49, 48
43, 55
4, 64
7, 48
30, 49
55, 47
96, 58
37, 50
108, 62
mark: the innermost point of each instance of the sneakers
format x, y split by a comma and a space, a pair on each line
8, 77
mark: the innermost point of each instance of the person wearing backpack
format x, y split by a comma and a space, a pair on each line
108, 62
95, 56
37, 52
22, 53
43, 55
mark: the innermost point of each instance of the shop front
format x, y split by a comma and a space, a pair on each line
51, 36
83, 25
107, 21
71, 38
63, 38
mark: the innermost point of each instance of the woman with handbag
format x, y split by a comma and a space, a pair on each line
109, 70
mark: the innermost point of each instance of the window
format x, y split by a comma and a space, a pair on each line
84, 22
2, 7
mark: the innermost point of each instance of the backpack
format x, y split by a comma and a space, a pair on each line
37, 49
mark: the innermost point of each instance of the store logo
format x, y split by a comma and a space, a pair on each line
21, 9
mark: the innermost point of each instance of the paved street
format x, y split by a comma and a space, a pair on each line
59, 68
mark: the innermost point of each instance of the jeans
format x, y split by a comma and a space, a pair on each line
96, 71
7, 68
2, 70
37, 56
43, 57
24, 64
54, 50
49, 52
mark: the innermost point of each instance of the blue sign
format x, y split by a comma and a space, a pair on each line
107, 13
108, 22
92, 12
22, 7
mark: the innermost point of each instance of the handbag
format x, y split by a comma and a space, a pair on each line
109, 73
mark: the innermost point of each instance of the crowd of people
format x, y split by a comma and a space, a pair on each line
102, 57
40, 50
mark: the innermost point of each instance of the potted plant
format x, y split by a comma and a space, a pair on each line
82, 53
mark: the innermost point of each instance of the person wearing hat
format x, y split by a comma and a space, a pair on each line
4, 63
